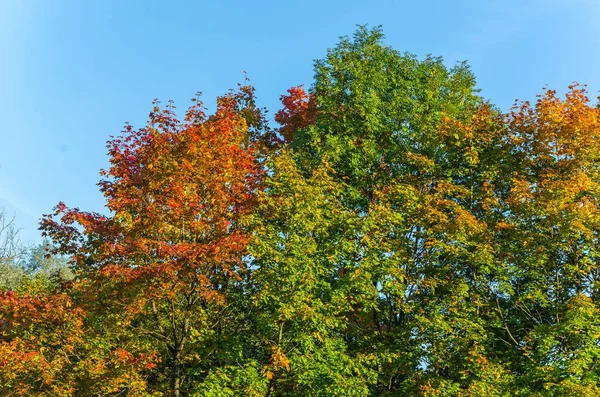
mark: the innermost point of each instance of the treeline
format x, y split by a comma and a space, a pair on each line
396, 235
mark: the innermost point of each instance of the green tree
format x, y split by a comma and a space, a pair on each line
302, 297
416, 153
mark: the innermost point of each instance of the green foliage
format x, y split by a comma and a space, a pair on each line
302, 257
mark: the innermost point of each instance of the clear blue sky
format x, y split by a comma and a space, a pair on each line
73, 71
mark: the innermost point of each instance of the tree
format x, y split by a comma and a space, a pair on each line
302, 298
12, 253
162, 265
551, 244
415, 151
40, 262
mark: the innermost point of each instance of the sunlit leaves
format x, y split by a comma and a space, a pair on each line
396, 235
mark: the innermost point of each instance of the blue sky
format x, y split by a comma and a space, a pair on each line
72, 72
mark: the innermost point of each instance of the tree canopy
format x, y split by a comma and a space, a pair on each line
395, 234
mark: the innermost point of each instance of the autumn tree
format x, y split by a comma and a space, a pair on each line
159, 269
47, 349
550, 244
